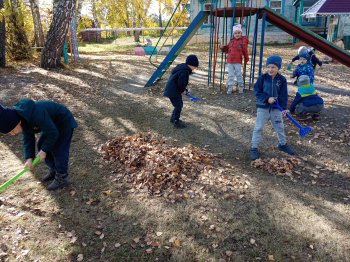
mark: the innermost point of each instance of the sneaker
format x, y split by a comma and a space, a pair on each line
316, 116
179, 124
285, 148
254, 154
49, 176
60, 181
240, 89
229, 90
303, 116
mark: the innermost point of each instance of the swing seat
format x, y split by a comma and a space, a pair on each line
149, 50
164, 50
139, 51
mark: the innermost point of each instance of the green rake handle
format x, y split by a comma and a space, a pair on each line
14, 178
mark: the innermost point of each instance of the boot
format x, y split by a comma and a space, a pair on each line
285, 148
49, 176
60, 181
254, 154
179, 124
229, 90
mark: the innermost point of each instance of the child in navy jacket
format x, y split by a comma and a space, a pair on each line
54, 122
305, 67
313, 58
176, 85
269, 88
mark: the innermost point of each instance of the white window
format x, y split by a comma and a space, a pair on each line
308, 20
276, 5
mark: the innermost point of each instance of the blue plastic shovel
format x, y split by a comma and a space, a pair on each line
192, 98
303, 130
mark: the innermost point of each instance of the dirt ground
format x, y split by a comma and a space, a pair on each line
302, 215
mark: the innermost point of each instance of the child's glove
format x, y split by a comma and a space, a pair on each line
285, 112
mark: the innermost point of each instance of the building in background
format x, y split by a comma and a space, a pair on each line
290, 9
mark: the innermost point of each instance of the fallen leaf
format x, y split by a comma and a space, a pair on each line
136, 240
80, 257
177, 243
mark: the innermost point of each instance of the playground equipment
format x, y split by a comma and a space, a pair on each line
264, 14
14, 178
71, 42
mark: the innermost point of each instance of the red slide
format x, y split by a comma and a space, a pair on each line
308, 37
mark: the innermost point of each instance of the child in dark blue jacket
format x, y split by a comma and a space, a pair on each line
304, 68
176, 85
306, 100
269, 88
54, 122
313, 58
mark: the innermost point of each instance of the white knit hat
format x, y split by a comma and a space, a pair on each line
237, 27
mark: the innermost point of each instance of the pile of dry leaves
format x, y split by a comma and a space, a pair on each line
277, 166
152, 164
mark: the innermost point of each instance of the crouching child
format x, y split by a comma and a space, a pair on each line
307, 103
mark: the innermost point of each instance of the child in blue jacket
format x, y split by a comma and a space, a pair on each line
313, 58
54, 122
304, 67
270, 87
306, 100
176, 85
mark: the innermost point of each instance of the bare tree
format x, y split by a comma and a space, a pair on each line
38, 29
63, 13
2, 38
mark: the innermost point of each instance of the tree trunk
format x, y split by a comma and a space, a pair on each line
18, 44
95, 23
38, 29
160, 20
51, 54
2, 38
78, 10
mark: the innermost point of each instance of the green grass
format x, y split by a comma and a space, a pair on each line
103, 47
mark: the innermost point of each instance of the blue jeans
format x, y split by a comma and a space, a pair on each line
234, 70
301, 109
263, 115
58, 157
178, 104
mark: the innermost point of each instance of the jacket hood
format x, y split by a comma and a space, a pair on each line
181, 67
25, 108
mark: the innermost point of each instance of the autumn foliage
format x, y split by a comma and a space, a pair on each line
155, 166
